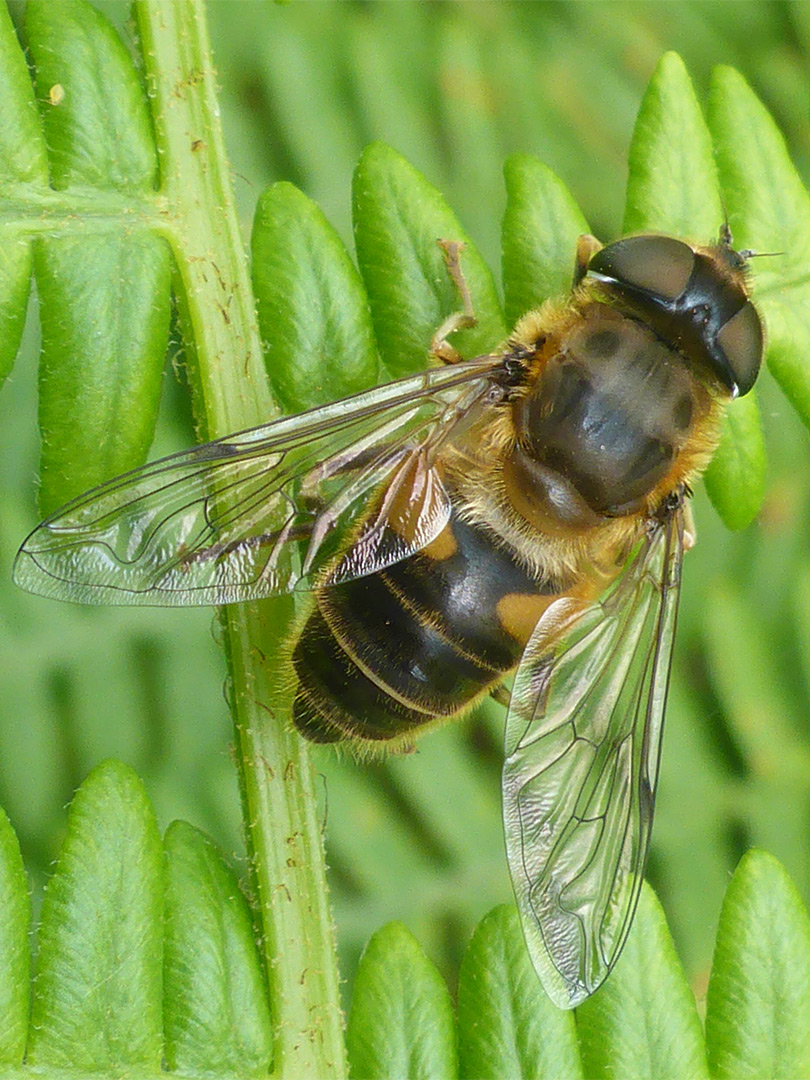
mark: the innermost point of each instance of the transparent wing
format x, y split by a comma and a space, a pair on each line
342, 490
582, 746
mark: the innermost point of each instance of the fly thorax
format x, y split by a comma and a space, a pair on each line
601, 427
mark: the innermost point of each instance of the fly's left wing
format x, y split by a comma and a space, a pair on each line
331, 494
583, 738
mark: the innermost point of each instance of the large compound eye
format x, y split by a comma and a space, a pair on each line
696, 301
741, 341
653, 264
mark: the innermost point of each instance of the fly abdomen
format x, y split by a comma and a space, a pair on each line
386, 654
370, 668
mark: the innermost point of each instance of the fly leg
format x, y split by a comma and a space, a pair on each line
501, 695
689, 529
587, 247
440, 347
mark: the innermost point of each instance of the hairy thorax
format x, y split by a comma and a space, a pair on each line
582, 456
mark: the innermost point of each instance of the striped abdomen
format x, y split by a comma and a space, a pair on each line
386, 654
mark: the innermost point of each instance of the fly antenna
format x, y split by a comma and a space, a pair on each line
725, 229
748, 254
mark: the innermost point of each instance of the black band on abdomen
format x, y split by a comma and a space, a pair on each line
387, 653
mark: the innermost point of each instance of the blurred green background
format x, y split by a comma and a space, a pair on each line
455, 87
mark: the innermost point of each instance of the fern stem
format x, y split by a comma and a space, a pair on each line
217, 306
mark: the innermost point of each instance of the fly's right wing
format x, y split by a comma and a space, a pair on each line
328, 495
582, 745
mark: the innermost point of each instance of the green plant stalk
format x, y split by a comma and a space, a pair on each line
283, 830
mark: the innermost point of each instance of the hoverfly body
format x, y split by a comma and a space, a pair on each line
519, 512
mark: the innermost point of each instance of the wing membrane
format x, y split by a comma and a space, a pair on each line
582, 747
343, 490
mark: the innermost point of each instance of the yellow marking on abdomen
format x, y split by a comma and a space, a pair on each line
519, 613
